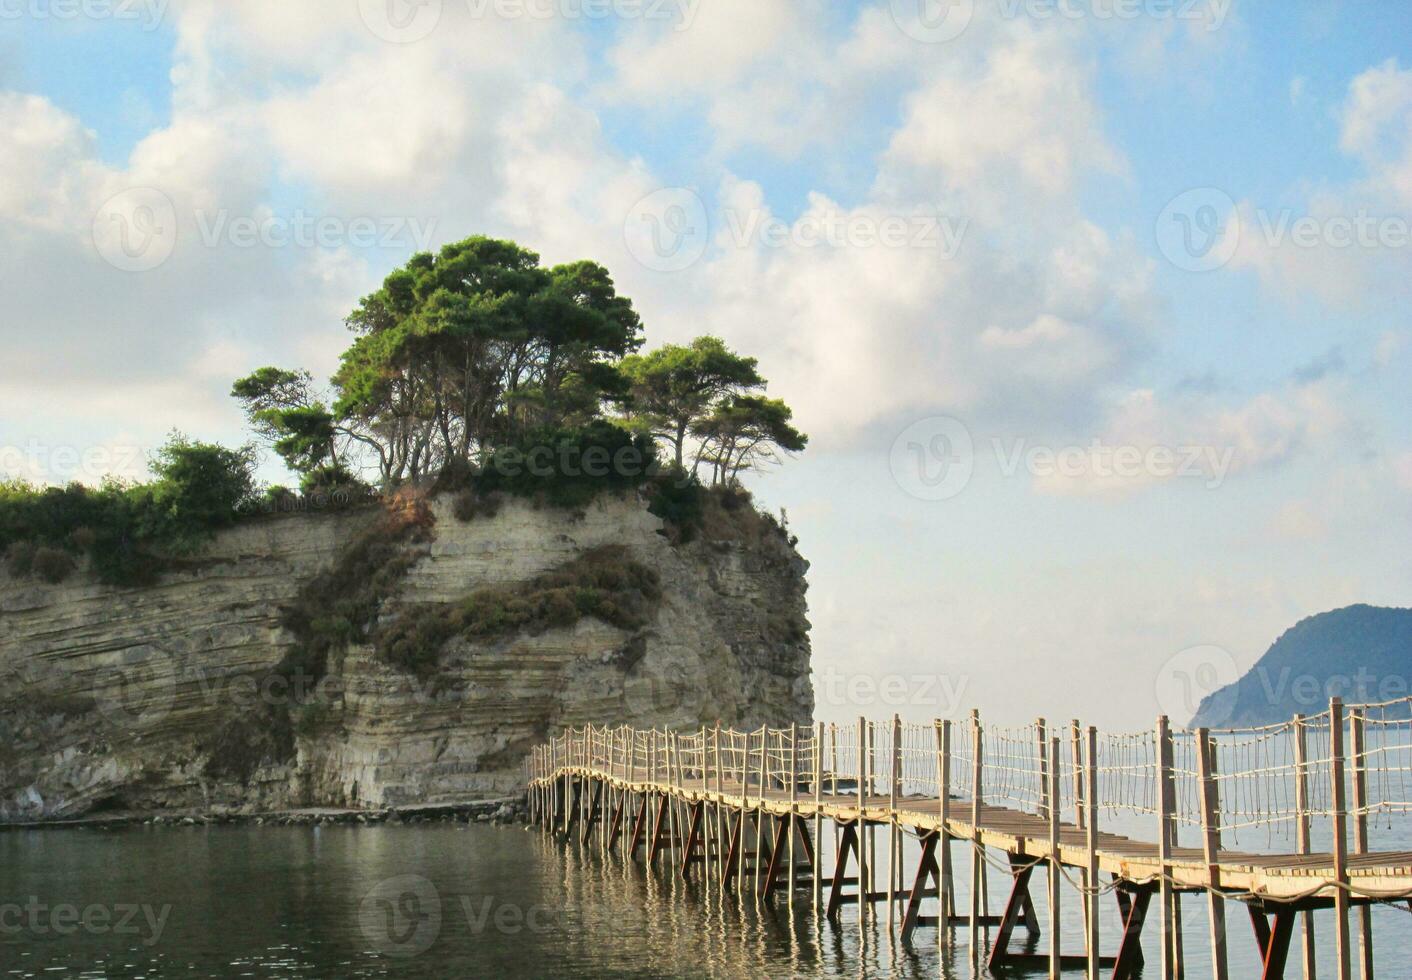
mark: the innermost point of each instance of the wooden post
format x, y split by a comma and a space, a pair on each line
1302, 831
943, 781
793, 800
1165, 807
864, 879
894, 863
1042, 762
1211, 845
818, 788
1091, 839
652, 781
833, 769
1340, 841
1055, 951
1360, 833
978, 876
760, 807
1076, 761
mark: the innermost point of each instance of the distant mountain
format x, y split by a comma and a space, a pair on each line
1359, 653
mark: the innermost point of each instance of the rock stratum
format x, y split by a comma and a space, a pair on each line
170, 696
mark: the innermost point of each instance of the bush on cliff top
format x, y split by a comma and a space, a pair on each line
603, 583
126, 528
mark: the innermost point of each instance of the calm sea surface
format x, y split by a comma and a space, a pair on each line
451, 900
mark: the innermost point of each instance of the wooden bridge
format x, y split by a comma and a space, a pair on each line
746, 812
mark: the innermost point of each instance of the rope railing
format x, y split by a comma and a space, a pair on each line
1296, 782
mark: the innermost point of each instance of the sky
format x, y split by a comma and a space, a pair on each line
1096, 311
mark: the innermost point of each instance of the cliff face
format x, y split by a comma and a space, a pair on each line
136, 699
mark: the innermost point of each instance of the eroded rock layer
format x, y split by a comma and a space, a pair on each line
170, 696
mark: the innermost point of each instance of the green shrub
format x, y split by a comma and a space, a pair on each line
470, 503
19, 558
568, 466
52, 565
126, 529
338, 606
603, 583
677, 498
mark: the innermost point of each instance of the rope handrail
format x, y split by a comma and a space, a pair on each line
1273, 780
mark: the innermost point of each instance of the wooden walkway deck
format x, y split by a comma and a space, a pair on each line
744, 816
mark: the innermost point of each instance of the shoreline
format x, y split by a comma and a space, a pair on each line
501, 810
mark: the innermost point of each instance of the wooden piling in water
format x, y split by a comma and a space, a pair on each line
1211, 847
1055, 868
1358, 752
1302, 831
1340, 842
1091, 842
1166, 804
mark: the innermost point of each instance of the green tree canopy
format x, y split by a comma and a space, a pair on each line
675, 387
747, 432
479, 348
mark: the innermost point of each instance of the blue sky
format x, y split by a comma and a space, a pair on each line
1057, 145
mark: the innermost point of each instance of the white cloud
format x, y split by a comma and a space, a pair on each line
1027, 118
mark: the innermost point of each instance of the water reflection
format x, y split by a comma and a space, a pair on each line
455, 900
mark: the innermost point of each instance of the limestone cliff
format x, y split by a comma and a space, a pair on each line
130, 699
